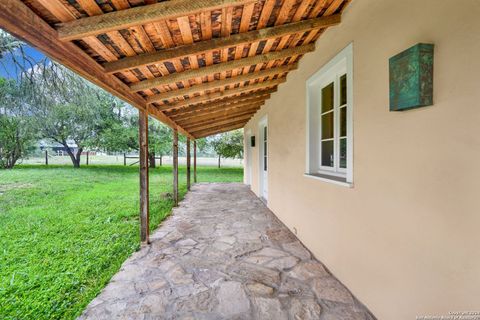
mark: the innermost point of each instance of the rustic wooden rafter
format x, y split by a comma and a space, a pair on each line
197, 126
219, 115
201, 47
221, 83
220, 129
217, 109
220, 105
257, 88
220, 122
221, 67
141, 15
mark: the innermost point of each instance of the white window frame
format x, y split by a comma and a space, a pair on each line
341, 64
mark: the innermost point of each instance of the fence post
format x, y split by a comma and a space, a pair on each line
46, 157
87, 157
124, 159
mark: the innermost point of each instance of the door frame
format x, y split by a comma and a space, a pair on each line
261, 124
248, 156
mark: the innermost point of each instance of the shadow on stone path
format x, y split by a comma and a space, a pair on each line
223, 255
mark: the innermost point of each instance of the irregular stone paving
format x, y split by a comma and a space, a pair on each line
223, 255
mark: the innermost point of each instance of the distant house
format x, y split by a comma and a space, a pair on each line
58, 149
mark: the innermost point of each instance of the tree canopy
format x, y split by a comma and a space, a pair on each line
228, 145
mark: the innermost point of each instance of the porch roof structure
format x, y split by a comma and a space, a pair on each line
201, 67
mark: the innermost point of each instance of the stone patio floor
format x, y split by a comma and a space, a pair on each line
223, 255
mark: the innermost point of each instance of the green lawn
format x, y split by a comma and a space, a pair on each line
65, 232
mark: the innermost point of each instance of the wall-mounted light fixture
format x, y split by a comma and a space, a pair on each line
252, 141
411, 78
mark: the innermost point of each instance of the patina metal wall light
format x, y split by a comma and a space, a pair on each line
411, 78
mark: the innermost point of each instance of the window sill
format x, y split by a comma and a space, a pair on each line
330, 179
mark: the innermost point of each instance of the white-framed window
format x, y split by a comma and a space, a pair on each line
330, 120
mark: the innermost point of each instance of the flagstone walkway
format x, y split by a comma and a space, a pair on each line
223, 255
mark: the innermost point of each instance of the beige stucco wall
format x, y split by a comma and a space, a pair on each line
406, 238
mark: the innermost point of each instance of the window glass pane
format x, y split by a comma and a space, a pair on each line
343, 90
327, 153
327, 98
343, 153
343, 122
327, 125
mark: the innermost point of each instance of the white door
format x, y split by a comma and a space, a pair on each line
264, 159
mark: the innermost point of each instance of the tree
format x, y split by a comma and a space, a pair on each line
16, 134
123, 137
159, 141
8, 43
228, 145
68, 108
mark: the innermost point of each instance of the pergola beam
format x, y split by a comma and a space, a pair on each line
224, 122
221, 105
220, 43
257, 88
220, 129
218, 116
124, 19
208, 115
221, 67
222, 100
215, 84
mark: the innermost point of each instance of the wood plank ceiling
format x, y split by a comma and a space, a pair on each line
204, 66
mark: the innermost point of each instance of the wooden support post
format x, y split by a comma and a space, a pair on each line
175, 167
144, 201
46, 157
194, 161
188, 163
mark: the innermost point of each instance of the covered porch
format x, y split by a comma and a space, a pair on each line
200, 67
214, 260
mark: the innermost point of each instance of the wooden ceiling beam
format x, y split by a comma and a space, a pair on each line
220, 43
220, 115
225, 122
221, 67
220, 129
220, 83
141, 15
216, 106
265, 87
212, 113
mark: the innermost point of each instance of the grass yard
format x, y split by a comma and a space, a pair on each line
65, 232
